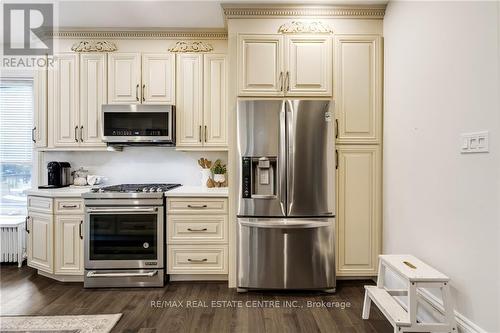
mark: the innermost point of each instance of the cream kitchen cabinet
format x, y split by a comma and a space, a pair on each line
39, 130
284, 65
358, 89
358, 210
77, 89
40, 229
68, 249
201, 101
55, 236
147, 78
197, 241
63, 100
93, 85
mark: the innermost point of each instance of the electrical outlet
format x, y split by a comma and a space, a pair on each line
477, 142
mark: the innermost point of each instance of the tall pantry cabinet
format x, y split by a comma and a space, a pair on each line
346, 68
358, 116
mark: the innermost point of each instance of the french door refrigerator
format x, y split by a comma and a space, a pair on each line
286, 213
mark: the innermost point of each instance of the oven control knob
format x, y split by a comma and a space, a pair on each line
159, 189
144, 189
145, 245
152, 189
100, 190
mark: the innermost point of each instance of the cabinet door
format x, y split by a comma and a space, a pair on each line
93, 88
189, 100
358, 210
260, 65
64, 100
215, 100
68, 244
358, 88
39, 130
309, 66
124, 78
40, 241
158, 78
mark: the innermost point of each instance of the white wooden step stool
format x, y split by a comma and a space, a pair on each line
418, 275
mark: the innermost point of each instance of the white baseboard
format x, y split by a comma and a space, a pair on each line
465, 325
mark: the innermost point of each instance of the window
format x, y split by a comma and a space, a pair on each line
16, 119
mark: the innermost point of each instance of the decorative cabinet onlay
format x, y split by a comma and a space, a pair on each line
94, 46
196, 46
313, 27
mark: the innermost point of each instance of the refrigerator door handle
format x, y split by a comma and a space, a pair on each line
286, 225
289, 155
282, 160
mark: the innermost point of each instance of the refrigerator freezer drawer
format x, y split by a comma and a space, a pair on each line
286, 254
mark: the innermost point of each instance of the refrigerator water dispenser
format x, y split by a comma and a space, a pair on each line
259, 177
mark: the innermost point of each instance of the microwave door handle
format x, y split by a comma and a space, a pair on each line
122, 210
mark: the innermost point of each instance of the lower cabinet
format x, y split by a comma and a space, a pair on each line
359, 198
55, 235
197, 236
68, 244
40, 231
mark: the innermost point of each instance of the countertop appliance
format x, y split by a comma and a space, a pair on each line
136, 124
58, 175
124, 232
286, 214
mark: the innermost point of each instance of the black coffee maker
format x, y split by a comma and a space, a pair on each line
58, 175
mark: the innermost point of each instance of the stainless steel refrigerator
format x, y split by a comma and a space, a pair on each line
286, 214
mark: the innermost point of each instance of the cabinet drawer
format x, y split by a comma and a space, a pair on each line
40, 204
197, 229
197, 205
68, 206
203, 259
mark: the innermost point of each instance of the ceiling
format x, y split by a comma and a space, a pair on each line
159, 14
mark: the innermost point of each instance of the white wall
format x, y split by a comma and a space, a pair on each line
138, 164
442, 79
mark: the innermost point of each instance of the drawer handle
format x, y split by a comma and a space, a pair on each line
197, 206
197, 260
204, 229
69, 206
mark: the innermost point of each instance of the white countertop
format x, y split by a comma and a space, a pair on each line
63, 192
197, 191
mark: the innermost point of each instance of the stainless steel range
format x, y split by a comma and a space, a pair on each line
125, 236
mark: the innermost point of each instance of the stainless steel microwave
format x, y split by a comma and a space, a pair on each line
137, 124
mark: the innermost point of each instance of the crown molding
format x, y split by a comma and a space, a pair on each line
235, 11
305, 27
102, 33
94, 46
191, 46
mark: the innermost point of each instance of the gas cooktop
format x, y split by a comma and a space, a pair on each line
130, 191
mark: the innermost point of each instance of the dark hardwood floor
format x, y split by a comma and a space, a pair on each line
23, 292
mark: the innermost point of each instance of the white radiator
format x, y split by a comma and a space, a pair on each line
12, 241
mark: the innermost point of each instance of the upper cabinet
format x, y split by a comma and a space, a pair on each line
39, 130
358, 88
158, 73
77, 89
147, 78
284, 65
260, 65
201, 106
124, 75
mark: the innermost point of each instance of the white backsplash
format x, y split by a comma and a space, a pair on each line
138, 164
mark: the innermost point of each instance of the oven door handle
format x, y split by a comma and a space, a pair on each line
122, 210
93, 274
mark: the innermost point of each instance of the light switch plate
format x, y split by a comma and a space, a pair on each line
477, 142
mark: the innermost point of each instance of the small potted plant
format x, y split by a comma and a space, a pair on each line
219, 171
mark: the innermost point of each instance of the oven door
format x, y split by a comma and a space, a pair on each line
124, 237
